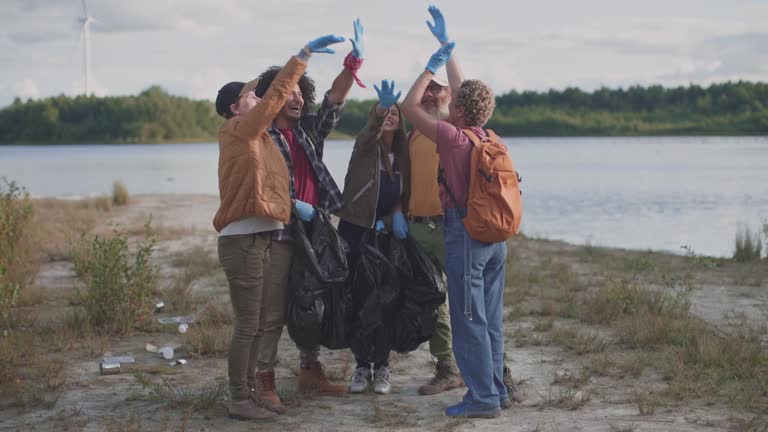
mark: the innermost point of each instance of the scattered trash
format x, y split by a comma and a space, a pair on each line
181, 362
119, 359
152, 348
187, 319
109, 368
183, 328
166, 352
159, 306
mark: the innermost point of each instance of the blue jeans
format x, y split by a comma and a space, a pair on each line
475, 273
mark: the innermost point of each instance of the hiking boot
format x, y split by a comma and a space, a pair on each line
265, 393
246, 409
381, 380
447, 377
361, 379
312, 379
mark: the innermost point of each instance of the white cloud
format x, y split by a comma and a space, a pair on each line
191, 47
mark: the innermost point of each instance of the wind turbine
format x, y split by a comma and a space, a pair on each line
85, 20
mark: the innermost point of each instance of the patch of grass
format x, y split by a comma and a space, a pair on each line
758, 423
119, 282
192, 265
566, 397
174, 395
525, 337
748, 245
57, 224
28, 377
579, 341
544, 325
120, 194
647, 402
16, 268
575, 380
623, 428
208, 338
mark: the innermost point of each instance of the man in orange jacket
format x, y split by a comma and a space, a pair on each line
255, 201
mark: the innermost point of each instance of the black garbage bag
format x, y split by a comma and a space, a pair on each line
319, 267
422, 293
336, 316
375, 292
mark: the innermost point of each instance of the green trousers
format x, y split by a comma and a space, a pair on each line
431, 240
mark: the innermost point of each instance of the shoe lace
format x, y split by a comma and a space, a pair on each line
382, 373
360, 374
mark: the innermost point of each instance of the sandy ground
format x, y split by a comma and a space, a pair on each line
91, 402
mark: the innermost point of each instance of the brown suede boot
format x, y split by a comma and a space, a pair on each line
312, 379
246, 409
447, 377
265, 392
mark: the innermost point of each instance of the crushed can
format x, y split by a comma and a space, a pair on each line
109, 368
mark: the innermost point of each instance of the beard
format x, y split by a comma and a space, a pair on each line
438, 112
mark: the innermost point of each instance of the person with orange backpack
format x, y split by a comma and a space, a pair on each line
482, 208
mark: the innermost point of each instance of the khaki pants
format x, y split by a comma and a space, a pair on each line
257, 272
431, 240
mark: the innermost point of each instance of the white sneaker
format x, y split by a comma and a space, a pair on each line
361, 379
381, 381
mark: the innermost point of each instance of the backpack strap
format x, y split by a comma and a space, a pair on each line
441, 180
472, 136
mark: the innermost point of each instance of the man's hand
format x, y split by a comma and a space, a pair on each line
358, 46
440, 57
438, 29
387, 96
304, 211
320, 45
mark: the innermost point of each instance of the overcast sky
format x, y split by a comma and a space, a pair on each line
192, 47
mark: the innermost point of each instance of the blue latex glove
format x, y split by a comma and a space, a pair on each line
440, 57
320, 45
438, 29
304, 211
358, 46
379, 227
387, 96
399, 226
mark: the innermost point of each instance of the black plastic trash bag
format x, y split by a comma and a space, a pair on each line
375, 292
319, 267
422, 292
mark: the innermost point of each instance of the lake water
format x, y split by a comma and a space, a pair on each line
641, 193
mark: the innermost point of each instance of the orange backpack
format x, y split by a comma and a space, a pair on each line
494, 203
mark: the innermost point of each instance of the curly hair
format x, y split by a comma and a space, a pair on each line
477, 101
306, 85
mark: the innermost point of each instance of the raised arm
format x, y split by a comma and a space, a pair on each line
258, 119
412, 110
439, 30
352, 63
387, 98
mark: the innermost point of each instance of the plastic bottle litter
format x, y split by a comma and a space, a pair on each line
183, 328
166, 352
151, 348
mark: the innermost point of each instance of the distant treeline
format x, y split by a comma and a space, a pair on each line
155, 116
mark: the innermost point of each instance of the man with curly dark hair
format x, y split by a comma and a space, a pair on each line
300, 136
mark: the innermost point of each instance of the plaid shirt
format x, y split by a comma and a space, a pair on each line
310, 133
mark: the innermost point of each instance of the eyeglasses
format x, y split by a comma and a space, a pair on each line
436, 89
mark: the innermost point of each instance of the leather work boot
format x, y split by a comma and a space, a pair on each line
246, 409
447, 377
312, 379
265, 393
